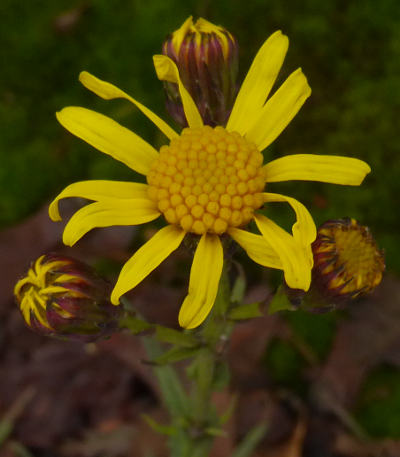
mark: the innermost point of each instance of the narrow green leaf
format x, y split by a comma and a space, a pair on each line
250, 442
159, 428
134, 324
171, 388
6, 427
222, 300
221, 376
172, 336
213, 431
245, 311
175, 355
238, 290
180, 444
223, 419
279, 302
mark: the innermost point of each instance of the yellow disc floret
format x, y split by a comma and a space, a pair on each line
207, 180
347, 260
357, 250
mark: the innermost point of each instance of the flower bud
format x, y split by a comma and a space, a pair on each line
207, 58
347, 261
61, 296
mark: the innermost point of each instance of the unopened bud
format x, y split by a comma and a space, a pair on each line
61, 296
347, 261
207, 58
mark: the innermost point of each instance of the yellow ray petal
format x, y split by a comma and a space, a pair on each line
107, 213
204, 279
258, 83
294, 256
146, 259
98, 190
30, 308
57, 290
167, 71
311, 167
279, 110
303, 229
179, 35
109, 92
20, 284
25, 307
257, 248
109, 137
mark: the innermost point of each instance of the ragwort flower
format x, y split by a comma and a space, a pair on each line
206, 181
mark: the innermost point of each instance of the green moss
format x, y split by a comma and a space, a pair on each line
349, 53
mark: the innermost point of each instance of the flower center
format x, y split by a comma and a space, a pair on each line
358, 251
207, 180
354, 254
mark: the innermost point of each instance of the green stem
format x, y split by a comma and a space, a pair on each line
193, 418
215, 333
202, 389
172, 392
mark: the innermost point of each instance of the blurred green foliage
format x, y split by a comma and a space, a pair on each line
348, 50
315, 330
378, 409
284, 365
308, 344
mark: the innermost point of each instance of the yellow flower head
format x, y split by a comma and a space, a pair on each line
37, 289
64, 297
347, 261
198, 31
207, 59
206, 181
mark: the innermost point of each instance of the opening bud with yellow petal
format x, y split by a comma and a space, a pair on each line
347, 260
347, 264
61, 296
207, 59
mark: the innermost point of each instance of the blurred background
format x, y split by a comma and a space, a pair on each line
327, 384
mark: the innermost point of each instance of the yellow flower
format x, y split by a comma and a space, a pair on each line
207, 59
61, 296
347, 260
205, 181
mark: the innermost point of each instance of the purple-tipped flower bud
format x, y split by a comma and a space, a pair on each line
347, 261
207, 58
61, 296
